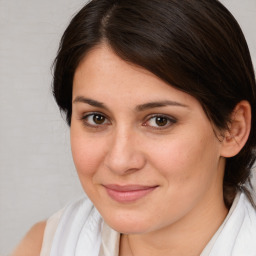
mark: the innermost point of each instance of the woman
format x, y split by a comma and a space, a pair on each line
160, 97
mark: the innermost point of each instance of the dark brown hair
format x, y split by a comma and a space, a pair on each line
194, 45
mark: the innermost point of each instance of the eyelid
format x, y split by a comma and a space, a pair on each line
86, 115
170, 119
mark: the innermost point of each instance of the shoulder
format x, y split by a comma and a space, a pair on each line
245, 223
32, 242
250, 213
79, 227
238, 234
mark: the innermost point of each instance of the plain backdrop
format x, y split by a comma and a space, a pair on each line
37, 176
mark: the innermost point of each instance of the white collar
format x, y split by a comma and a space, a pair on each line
236, 236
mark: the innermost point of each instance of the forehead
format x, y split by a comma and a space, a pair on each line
102, 74
101, 63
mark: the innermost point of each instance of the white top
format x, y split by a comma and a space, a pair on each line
79, 230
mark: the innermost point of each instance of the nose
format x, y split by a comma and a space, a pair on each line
125, 153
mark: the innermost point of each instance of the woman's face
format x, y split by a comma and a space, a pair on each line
145, 153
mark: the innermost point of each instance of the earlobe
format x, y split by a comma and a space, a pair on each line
239, 130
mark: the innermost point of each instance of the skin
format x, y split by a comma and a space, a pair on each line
183, 158
179, 153
31, 244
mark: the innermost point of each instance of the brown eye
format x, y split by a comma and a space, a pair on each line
95, 119
161, 121
99, 119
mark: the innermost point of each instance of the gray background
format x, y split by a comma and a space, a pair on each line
37, 176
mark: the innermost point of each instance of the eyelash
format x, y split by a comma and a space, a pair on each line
169, 121
94, 114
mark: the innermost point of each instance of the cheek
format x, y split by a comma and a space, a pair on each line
87, 154
170, 156
184, 159
87, 157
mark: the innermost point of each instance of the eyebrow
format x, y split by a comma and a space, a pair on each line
139, 108
91, 102
158, 104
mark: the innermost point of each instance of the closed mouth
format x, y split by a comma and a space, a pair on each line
128, 193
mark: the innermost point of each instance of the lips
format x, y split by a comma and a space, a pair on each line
128, 193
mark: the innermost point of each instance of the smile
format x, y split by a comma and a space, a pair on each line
128, 193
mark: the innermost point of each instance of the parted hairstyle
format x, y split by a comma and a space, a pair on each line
195, 46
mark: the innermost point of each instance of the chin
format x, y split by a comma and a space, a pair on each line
128, 228
128, 224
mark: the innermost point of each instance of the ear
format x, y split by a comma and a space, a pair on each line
239, 129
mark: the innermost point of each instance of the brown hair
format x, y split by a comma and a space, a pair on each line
194, 45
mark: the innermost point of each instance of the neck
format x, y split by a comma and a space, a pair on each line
188, 236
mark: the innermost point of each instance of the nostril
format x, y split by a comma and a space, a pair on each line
125, 162
124, 154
